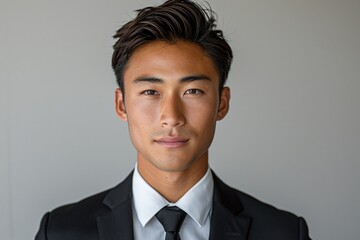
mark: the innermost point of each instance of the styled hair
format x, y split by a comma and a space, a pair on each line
174, 20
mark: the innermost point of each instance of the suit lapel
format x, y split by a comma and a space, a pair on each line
117, 224
227, 221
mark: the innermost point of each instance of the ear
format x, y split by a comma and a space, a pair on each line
224, 103
120, 105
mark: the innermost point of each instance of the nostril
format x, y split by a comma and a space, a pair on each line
172, 122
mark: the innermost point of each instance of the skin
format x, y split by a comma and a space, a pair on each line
171, 105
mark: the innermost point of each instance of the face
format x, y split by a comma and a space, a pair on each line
171, 104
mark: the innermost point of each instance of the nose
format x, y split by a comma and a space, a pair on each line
172, 112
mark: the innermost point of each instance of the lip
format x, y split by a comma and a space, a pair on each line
172, 142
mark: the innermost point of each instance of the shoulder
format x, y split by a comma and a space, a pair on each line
73, 220
270, 220
265, 212
85, 209
266, 220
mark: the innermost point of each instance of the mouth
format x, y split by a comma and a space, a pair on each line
172, 142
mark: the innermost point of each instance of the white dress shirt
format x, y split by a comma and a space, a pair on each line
197, 203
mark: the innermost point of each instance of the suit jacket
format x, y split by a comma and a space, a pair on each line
108, 216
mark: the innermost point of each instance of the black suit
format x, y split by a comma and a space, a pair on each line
108, 216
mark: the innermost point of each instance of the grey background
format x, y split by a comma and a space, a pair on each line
292, 137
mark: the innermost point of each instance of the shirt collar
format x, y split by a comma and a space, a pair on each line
197, 202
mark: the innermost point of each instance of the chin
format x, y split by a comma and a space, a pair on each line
178, 165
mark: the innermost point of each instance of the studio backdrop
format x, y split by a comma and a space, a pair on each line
292, 137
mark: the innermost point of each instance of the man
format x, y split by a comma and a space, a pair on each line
171, 65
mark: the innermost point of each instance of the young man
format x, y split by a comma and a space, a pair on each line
171, 65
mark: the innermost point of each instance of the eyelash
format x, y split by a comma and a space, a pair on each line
150, 92
192, 91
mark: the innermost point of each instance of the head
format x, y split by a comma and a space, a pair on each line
175, 20
171, 65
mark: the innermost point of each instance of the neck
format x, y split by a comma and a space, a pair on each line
172, 185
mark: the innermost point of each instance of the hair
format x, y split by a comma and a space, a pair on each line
174, 20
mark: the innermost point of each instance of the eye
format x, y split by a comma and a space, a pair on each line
150, 92
194, 91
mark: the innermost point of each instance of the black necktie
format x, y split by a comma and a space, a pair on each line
171, 218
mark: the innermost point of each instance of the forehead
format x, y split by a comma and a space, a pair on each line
169, 60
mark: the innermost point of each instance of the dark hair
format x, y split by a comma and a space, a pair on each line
172, 21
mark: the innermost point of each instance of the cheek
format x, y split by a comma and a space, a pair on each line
202, 116
140, 117
142, 112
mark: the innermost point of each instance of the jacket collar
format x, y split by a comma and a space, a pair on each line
117, 224
227, 220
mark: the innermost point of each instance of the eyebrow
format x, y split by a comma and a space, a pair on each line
182, 80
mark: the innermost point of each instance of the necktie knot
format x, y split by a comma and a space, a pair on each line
171, 218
